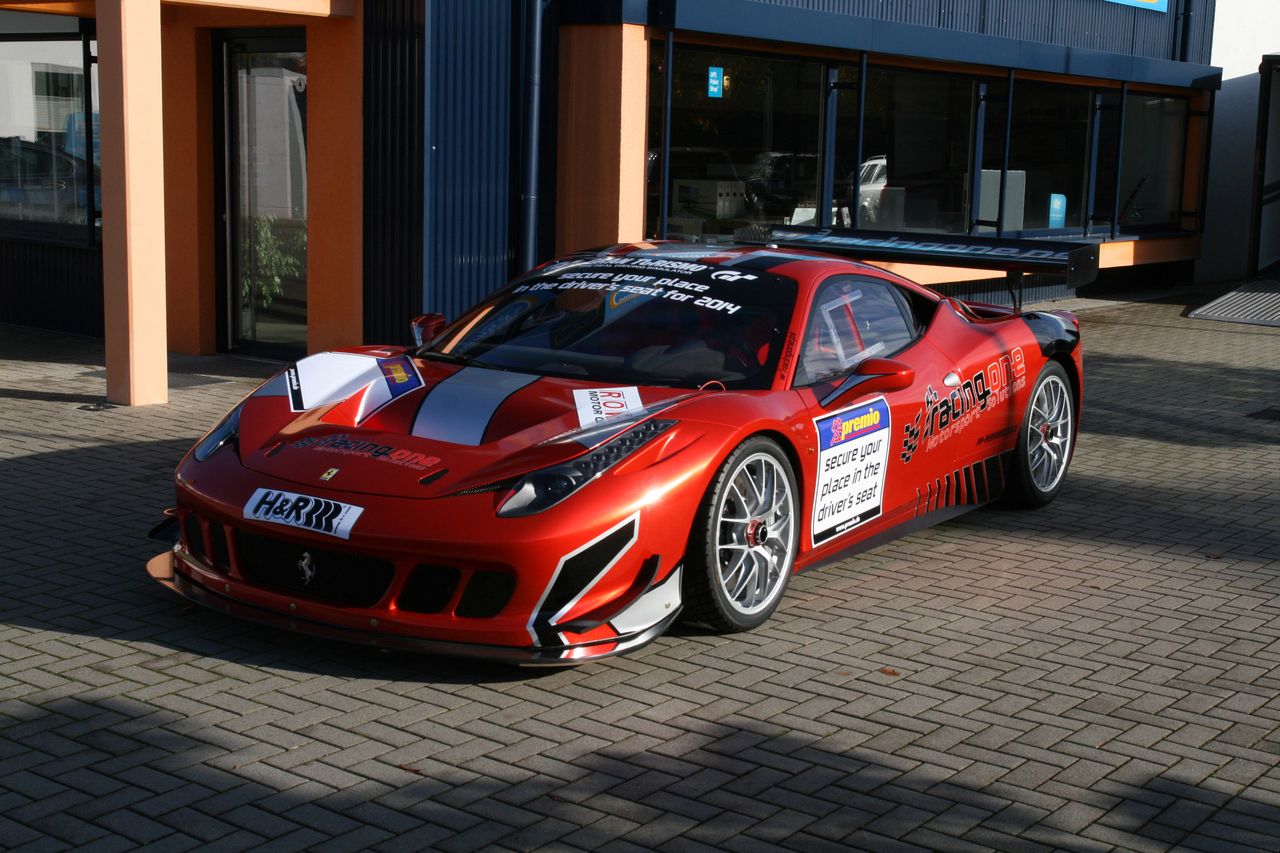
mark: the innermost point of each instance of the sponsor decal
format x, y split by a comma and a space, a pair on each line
346, 445
941, 418
732, 275
853, 458
953, 248
320, 515
622, 287
596, 405
789, 352
329, 475
295, 389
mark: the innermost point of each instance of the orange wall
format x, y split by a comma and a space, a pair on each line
188, 181
334, 174
600, 168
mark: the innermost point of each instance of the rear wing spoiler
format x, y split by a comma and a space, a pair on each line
1077, 262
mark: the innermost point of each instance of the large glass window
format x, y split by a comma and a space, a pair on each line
1050, 147
745, 142
1151, 172
917, 151
46, 172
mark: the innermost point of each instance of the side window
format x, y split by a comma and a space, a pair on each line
852, 319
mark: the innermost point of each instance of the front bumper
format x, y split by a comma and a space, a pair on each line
173, 569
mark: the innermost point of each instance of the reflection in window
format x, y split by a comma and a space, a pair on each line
745, 142
917, 144
853, 319
1050, 145
1155, 133
44, 173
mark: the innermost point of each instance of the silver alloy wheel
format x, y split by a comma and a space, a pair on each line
1049, 433
755, 534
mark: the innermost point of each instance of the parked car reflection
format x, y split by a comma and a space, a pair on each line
40, 183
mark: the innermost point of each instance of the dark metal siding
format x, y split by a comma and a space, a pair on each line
469, 153
51, 286
1091, 24
393, 189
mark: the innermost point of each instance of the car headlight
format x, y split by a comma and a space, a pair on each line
545, 488
228, 430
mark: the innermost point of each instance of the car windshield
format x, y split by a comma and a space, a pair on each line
630, 319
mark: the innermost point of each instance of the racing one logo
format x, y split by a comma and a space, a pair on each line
307, 565
941, 414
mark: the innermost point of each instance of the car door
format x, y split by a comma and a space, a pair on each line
863, 482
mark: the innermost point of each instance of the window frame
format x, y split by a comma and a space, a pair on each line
77, 234
900, 300
1095, 225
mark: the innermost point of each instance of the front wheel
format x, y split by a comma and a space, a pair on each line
1045, 441
744, 540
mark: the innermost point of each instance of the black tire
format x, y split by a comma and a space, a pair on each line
731, 593
1046, 441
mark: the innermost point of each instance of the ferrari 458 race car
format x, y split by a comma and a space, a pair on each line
624, 437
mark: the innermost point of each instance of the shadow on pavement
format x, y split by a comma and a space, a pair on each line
244, 771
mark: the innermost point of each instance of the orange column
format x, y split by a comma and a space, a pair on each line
133, 240
335, 198
600, 191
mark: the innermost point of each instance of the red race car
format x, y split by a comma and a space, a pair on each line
625, 437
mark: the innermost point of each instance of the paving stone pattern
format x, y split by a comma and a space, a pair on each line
1101, 674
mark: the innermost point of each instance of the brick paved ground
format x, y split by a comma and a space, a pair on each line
1104, 673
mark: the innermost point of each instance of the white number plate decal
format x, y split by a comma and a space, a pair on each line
321, 515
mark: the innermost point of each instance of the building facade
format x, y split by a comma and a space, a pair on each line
283, 176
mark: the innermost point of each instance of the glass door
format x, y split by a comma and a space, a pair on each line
265, 215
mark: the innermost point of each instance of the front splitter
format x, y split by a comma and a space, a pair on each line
161, 569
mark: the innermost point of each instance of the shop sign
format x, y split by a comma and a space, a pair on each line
1153, 5
715, 81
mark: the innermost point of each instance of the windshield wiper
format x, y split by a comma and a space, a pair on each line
465, 360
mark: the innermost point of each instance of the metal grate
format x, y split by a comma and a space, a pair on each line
1257, 303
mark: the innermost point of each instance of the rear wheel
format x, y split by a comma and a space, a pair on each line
1045, 441
743, 544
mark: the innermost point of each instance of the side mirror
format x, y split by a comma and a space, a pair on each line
872, 376
425, 327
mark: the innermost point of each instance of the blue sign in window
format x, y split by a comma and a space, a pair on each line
715, 81
1153, 5
1057, 210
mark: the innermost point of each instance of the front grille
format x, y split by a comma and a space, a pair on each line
486, 594
329, 577
218, 547
193, 536
429, 590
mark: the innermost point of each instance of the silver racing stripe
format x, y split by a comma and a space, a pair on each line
458, 409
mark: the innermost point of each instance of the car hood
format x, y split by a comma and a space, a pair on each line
379, 421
